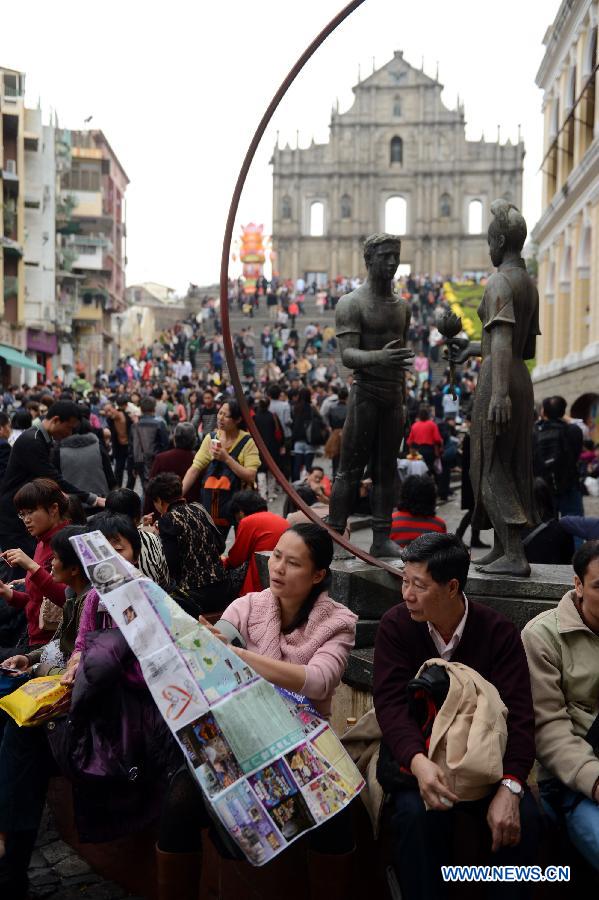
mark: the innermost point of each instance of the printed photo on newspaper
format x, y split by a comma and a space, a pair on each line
269, 766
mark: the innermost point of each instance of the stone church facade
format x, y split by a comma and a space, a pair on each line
397, 160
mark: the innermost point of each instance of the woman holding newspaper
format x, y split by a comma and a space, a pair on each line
299, 639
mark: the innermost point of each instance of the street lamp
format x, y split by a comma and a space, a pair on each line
140, 316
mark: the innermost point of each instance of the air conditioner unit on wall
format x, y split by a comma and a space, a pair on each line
10, 165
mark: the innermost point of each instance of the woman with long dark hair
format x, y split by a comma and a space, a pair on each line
299, 639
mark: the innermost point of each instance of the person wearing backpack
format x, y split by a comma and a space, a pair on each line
149, 436
228, 461
308, 432
557, 445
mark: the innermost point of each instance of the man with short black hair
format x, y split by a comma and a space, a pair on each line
30, 458
434, 620
557, 445
562, 646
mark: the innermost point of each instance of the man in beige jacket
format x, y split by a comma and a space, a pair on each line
562, 646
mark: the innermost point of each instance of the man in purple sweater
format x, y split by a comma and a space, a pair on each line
437, 620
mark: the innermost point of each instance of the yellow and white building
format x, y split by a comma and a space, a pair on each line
567, 233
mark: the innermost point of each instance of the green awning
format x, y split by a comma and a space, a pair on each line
16, 358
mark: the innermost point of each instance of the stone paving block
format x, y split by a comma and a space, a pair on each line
43, 877
42, 893
37, 860
71, 865
84, 879
105, 891
47, 836
56, 851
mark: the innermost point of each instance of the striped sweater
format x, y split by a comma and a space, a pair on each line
405, 527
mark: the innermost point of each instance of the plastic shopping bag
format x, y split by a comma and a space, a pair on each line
37, 700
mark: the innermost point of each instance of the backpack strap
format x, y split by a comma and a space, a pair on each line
234, 454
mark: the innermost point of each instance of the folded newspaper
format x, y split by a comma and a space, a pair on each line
268, 765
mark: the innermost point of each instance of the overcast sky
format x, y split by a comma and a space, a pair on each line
179, 87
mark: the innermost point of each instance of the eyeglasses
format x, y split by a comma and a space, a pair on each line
26, 514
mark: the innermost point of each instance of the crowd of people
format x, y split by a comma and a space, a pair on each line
155, 455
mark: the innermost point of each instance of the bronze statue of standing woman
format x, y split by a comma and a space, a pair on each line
503, 411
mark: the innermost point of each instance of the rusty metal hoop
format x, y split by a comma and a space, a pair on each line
224, 298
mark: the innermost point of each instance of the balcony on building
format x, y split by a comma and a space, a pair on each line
31, 141
10, 135
12, 84
90, 304
11, 298
9, 227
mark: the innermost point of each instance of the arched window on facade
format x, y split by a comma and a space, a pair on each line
396, 215
346, 207
316, 219
568, 134
397, 106
286, 208
475, 217
396, 150
588, 101
445, 206
550, 165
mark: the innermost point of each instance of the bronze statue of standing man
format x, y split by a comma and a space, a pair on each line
372, 327
503, 411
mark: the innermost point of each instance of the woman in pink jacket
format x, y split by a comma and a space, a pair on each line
299, 639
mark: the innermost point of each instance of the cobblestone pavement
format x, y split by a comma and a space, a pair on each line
58, 873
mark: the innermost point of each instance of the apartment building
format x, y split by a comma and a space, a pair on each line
567, 233
15, 143
42, 329
92, 245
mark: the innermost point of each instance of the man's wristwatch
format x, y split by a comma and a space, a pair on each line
514, 786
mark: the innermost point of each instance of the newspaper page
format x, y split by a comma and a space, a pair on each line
268, 765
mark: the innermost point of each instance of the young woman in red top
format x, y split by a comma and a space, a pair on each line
43, 508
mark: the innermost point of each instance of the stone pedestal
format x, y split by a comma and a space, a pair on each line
370, 592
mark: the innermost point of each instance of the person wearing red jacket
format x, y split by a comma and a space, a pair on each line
42, 507
256, 529
425, 437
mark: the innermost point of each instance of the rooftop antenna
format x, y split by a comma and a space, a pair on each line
499, 134
359, 75
437, 75
422, 64
519, 133
297, 139
373, 66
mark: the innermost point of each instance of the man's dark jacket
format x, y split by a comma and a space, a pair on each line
29, 459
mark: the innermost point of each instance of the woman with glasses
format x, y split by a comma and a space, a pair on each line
43, 509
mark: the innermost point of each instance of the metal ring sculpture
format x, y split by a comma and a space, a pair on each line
224, 299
